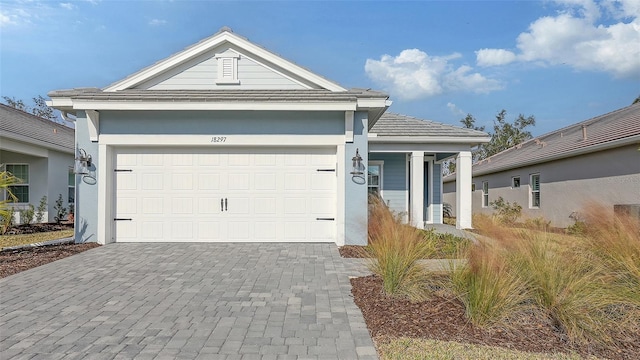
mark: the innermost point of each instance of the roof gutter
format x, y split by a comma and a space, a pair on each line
375, 138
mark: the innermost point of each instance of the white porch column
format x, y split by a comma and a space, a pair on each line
417, 189
463, 190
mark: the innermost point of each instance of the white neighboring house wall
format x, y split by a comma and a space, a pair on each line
567, 186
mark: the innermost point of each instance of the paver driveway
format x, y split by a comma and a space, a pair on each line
185, 301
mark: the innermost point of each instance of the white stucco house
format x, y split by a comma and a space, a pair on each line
40, 153
557, 175
227, 141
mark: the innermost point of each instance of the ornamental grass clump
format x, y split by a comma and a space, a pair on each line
567, 287
489, 287
395, 249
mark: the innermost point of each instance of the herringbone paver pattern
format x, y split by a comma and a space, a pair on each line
185, 301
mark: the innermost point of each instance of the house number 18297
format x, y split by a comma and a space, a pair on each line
218, 139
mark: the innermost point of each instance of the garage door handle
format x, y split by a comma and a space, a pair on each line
122, 219
225, 204
221, 204
328, 219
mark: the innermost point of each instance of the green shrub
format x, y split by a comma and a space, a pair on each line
61, 211
395, 249
42, 208
26, 215
505, 211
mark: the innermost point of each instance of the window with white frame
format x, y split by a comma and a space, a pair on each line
515, 182
21, 189
72, 187
534, 185
374, 177
485, 193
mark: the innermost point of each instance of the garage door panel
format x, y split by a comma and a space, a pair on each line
272, 194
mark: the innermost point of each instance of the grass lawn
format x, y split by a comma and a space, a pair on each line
16, 240
408, 349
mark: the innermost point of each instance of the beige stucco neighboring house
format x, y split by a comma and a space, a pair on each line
40, 152
558, 174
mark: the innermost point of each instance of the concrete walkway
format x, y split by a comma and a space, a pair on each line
186, 301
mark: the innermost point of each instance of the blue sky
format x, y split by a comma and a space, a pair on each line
562, 61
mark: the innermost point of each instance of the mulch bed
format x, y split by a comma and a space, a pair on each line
38, 228
15, 261
352, 251
443, 318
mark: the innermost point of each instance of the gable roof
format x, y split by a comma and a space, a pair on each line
223, 36
617, 128
391, 126
21, 126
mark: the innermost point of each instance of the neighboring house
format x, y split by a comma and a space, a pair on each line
40, 153
226, 141
557, 174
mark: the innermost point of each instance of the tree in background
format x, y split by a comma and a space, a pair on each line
504, 136
39, 109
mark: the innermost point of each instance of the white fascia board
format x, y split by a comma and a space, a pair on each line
586, 150
26, 145
429, 139
372, 103
217, 105
425, 147
221, 140
211, 43
62, 104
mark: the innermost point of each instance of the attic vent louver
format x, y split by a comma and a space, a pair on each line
227, 68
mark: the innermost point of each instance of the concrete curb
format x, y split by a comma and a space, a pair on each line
68, 240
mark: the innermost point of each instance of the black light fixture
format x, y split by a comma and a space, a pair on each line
357, 164
83, 163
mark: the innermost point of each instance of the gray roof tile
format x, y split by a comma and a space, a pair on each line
19, 125
617, 126
391, 124
217, 95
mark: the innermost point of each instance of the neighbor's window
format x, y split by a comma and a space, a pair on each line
374, 177
535, 190
485, 193
515, 182
21, 190
72, 187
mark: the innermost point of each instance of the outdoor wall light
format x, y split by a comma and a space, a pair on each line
83, 162
357, 164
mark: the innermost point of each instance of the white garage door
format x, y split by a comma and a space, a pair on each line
257, 194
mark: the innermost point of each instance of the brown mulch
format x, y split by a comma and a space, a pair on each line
15, 261
38, 228
443, 318
352, 251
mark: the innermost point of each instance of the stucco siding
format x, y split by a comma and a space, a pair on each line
86, 221
222, 122
356, 193
394, 180
566, 186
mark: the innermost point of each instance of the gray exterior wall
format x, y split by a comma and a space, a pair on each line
394, 180
201, 73
356, 192
222, 122
86, 219
48, 176
607, 177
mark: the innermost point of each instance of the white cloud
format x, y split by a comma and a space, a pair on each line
493, 57
455, 110
413, 74
575, 38
157, 22
5, 20
68, 6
